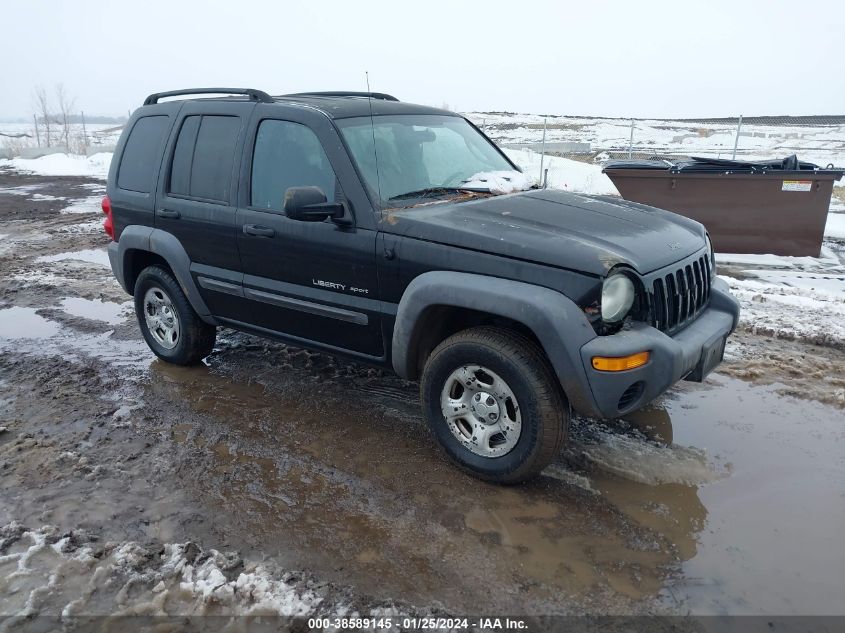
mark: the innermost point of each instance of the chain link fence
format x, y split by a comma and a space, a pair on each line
816, 139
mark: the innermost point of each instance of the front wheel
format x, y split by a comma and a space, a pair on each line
171, 327
493, 403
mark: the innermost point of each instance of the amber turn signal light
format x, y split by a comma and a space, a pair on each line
620, 363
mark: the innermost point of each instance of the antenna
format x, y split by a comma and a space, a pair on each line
373, 130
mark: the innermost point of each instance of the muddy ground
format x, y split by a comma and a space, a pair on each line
272, 479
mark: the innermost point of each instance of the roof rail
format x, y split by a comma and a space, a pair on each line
345, 93
254, 95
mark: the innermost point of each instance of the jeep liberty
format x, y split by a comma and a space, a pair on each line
358, 225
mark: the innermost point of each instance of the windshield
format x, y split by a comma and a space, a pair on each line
419, 156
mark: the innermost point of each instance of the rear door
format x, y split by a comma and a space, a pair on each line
314, 282
197, 196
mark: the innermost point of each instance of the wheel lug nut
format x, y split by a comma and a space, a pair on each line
493, 416
490, 401
478, 397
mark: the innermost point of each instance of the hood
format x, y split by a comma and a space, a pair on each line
579, 232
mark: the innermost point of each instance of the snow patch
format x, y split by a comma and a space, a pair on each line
827, 258
793, 305
96, 166
835, 226
571, 175
90, 204
499, 182
127, 578
91, 255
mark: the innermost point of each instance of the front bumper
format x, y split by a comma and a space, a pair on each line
672, 357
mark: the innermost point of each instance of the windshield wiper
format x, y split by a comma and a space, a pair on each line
431, 191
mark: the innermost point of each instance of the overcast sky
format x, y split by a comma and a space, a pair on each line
625, 58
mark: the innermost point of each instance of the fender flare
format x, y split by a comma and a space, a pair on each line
166, 246
559, 324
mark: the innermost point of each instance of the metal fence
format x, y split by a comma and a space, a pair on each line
816, 139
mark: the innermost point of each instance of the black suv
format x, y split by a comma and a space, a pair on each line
382, 231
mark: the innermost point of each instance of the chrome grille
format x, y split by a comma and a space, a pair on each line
678, 297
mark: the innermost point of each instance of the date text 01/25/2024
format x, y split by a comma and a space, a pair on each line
424, 623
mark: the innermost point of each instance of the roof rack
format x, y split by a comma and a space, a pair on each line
254, 95
345, 93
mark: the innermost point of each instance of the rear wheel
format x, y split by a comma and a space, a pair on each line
494, 404
169, 324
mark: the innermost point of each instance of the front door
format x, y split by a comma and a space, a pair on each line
313, 282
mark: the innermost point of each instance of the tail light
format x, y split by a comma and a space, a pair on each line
108, 223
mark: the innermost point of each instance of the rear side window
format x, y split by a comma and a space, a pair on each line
288, 155
204, 156
141, 154
180, 171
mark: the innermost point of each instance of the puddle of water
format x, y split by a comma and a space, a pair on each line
772, 539
91, 255
23, 323
19, 325
706, 507
96, 309
348, 484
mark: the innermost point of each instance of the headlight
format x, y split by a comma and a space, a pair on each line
712, 254
617, 297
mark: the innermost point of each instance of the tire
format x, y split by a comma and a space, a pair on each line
525, 396
173, 331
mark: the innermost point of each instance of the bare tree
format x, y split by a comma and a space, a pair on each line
43, 110
65, 104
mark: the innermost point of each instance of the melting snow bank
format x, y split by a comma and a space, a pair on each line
96, 166
795, 298
73, 575
776, 307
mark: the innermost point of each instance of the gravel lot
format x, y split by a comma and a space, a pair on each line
277, 480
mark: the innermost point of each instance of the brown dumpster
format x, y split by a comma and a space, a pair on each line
777, 207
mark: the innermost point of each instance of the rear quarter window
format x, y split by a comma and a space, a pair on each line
141, 154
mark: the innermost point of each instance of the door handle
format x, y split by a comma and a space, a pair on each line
260, 231
169, 213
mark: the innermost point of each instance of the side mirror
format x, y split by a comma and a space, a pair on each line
309, 204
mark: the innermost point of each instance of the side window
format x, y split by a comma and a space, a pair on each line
203, 157
141, 154
287, 155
